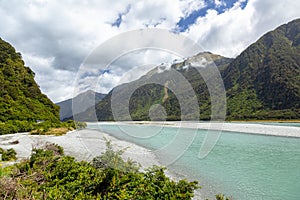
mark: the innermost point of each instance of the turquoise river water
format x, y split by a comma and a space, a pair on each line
243, 166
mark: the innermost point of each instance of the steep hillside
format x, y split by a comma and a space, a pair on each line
21, 100
86, 100
264, 81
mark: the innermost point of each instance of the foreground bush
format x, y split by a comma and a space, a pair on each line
8, 155
49, 174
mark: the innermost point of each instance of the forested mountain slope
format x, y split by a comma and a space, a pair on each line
21, 100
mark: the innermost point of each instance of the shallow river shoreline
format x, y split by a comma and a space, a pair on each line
250, 128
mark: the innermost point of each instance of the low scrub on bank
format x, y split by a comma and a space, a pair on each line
8, 155
50, 128
49, 174
39, 128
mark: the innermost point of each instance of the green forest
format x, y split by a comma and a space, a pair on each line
23, 107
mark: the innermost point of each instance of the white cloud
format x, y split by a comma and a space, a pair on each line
190, 6
126, 68
59, 84
67, 31
219, 3
54, 36
154, 13
231, 32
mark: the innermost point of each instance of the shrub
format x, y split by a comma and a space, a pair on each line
56, 128
112, 159
8, 155
42, 128
222, 197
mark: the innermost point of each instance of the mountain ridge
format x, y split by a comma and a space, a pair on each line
263, 82
157, 91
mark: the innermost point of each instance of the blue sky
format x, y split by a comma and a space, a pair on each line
118, 21
185, 22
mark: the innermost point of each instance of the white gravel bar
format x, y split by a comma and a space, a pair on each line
250, 128
83, 145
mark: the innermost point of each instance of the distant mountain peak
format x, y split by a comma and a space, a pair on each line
202, 59
82, 102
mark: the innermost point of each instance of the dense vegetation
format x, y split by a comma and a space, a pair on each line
23, 107
40, 128
21, 102
8, 155
48, 174
263, 82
